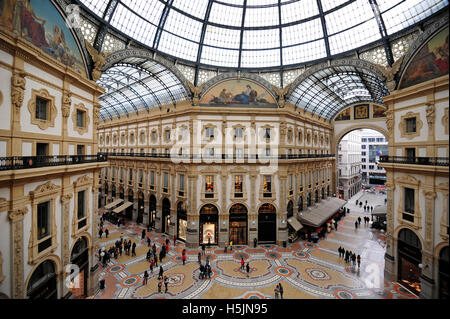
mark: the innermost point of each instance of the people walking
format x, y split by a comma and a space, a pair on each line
152, 263
359, 220
356, 224
203, 249
248, 269
277, 292
174, 240
225, 248
242, 263
161, 271
166, 284
159, 285
145, 277
353, 259
100, 233
106, 232
280, 289
340, 251
199, 257
358, 259
183, 256
149, 241
231, 245
143, 234
133, 250
255, 242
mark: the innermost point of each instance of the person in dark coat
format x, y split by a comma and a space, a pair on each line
356, 224
100, 233
359, 220
199, 258
358, 259
255, 241
166, 284
161, 271
143, 233
133, 250
203, 249
145, 277
280, 288
248, 269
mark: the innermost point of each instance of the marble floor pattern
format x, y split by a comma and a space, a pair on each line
306, 270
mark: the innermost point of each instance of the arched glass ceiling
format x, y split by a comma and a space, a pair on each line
259, 33
329, 91
135, 84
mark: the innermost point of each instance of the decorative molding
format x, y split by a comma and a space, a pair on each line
98, 58
195, 90
66, 103
402, 125
81, 129
17, 90
43, 190
3, 204
51, 109
444, 120
281, 93
1, 98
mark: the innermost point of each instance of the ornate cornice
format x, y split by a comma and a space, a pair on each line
16, 215
44, 189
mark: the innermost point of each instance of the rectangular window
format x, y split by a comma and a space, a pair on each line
238, 189
267, 184
309, 179
209, 184
363, 166
181, 186
81, 205
267, 151
113, 173
167, 134
409, 200
410, 125
301, 181
41, 149
291, 184
371, 166
410, 153
152, 178
363, 159
165, 181
80, 118
266, 133
238, 133
121, 174
363, 153
153, 136
239, 152
130, 175
141, 177
363, 147
80, 150
43, 219
41, 109
209, 132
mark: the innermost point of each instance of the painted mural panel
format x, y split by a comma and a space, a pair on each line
379, 111
344, 115
361, 112
238, 93
40, 23
430, 62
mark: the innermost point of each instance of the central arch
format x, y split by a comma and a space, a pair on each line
238, 224
267, 224
209, 222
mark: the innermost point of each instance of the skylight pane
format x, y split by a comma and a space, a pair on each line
304, 32
150, 10
260, 58
348, 16
176, 46
298, 10
330, 4
196, 8
225, 15
355, 37
261, 39
408, 13
96, 6
221, 37
219, 57
261, 2
183, 26
304, 52
260, 17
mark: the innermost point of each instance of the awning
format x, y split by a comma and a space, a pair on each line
114, 203
380, 210
318, 214
122, 207
295, 223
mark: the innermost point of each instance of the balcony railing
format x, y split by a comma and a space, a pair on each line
23, 162
433, 161
221, 156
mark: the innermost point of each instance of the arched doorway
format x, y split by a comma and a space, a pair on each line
316, 196
409, 258
165, 222
328, 190
443, 273
42, 284
209, 219
152, 210
323, 193
267, 224
308, 199
121, 193
113, 191
106, 193
181, 221
238, 224
101, 197
129, 209
300, 203
80, 257
140, 217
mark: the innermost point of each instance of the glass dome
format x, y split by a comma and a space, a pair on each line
249, 34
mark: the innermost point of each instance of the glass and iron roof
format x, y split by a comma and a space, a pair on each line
259, 33
329, 91
134, 85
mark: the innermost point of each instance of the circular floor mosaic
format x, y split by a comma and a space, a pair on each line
317, 274
115, 268
301, 254
343, 294
129, 281
273, 255
283, 271
240, 256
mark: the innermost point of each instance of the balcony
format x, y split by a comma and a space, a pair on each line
25, 162
433, 161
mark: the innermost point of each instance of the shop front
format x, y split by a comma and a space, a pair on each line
129, 209
165, 216
181, 221
140, 217
209, 219
443, 273
80, 257
152, 210
409, 259
43, 282
267, 222
238, 224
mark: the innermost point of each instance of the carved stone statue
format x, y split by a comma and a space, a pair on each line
281, 94
66, 102
389, 73
98, 58
17, 88
195, 92
430, 113
390, 120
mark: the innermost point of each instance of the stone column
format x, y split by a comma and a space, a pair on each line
192, 236
252, 222
18, 291
65, 249
158, 218
147, 212
390, 266
428, 283
223, 227
282, 227
173, 206
223, 230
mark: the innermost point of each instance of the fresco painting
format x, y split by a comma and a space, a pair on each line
379, 111
238, 93
40, 23
429, 63
361, 112
344, 115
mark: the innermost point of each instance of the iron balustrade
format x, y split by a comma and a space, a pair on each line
221, 156
433, 161
24, 162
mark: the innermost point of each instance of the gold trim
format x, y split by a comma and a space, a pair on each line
444, 120
1, 101
51, 109
81, 129
413, 183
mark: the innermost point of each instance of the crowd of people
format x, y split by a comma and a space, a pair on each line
349, 256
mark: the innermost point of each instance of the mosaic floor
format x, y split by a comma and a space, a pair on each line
306, 270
